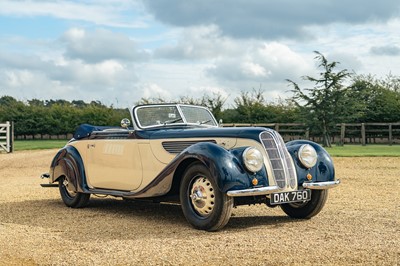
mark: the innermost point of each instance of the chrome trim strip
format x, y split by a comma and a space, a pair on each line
253, 191
321, 185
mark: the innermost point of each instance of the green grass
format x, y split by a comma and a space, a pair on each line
336, 151
20, 145
365, 151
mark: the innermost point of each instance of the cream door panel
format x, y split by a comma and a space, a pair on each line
114, 164
151, 166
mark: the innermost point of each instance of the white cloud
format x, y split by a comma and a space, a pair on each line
153, 90
270, 19
106, 13
390, 50
197, 43
260, 63
101, 45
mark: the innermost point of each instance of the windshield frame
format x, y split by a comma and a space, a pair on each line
138, 126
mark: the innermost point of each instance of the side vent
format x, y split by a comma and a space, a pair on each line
176, 147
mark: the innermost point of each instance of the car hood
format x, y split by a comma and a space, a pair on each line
230, 132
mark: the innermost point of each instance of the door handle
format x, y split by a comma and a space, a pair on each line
91, 146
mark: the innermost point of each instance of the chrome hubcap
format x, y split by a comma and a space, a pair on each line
69, 190
202, 196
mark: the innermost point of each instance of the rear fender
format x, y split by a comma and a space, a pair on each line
69, 163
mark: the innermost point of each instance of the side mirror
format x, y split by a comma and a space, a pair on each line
125, 123
220, 123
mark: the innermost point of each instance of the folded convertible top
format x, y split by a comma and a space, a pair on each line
85, 130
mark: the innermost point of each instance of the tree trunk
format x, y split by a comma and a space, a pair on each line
326, 141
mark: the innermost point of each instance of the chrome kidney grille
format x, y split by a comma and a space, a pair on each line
279, 158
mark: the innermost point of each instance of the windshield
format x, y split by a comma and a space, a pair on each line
162, 115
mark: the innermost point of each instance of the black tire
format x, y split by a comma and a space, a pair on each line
205, 207
69, 197
306, 210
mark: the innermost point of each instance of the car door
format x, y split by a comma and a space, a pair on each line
114, 164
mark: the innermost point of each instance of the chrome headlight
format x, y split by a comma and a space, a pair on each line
253, 159
307, 155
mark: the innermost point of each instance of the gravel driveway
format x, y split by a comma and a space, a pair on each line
359, 224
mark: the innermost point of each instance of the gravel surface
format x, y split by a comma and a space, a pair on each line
359, 224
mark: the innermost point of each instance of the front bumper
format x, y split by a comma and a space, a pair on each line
260, 191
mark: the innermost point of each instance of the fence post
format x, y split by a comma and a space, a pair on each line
12, 137
390, 135
8, 135
342, 133
363, 140
307, 133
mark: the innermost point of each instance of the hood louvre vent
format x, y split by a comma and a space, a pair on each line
176, 147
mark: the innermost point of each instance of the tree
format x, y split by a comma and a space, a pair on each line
324, 104
214, 103
376, 100
251, 107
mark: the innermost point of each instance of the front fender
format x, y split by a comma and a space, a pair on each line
322, 171
225, 165
68, 162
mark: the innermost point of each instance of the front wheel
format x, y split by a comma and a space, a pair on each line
203, 204
70, 198
306, 210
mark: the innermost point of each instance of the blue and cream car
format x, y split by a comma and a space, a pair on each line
178, 153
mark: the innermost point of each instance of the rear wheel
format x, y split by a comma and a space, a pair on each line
308, 209
70, 197
203, 204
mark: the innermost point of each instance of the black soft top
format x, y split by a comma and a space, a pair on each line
85, 130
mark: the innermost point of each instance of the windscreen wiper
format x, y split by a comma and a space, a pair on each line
172, 121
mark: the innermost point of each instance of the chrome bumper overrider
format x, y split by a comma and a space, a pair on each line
269, 190
259, 191
321, 185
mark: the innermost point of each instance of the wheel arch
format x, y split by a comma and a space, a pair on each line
324, 169
178, 174
68, 163
222, 164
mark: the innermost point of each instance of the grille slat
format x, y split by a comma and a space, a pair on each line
279, 157
176, 147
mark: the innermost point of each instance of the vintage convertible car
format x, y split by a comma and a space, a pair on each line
178, 153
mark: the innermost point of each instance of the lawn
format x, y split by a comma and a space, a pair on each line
365, 151
20, 145
336, 151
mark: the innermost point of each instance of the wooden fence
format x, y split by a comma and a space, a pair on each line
369, 133
354, 133
7, 137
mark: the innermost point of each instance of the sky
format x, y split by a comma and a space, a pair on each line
119, 51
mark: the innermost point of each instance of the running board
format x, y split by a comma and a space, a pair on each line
49, 185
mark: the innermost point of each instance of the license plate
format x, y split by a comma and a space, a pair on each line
291, 196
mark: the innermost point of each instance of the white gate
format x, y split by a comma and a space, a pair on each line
6, 137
